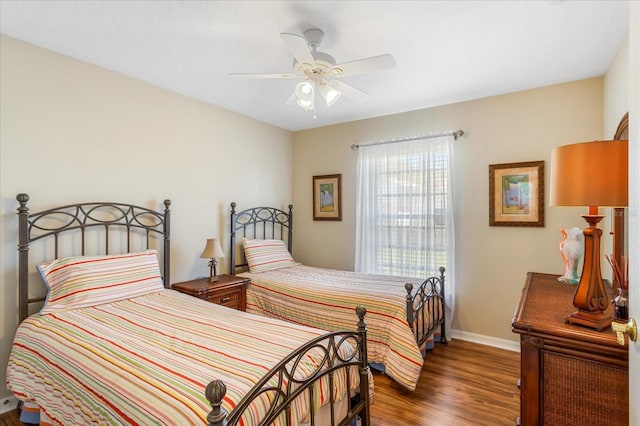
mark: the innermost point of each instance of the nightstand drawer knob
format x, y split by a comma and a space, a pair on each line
225, 299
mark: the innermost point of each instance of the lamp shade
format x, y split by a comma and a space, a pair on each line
590, 174
329, 94
212, 250
305, 94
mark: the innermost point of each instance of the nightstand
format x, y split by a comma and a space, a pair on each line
228, 290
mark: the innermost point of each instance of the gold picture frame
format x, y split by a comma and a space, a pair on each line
327, 197
516, 194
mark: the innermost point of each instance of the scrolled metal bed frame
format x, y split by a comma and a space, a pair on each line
81, 218
279, 382
425, 304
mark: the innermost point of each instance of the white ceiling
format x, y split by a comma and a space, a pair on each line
446, 51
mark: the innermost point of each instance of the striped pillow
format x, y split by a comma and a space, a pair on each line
267, 255
82, 281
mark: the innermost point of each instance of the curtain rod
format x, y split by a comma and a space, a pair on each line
455, 134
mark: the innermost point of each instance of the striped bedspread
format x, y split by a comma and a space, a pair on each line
147, 360
325, 298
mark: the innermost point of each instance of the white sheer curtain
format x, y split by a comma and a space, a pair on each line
404, 211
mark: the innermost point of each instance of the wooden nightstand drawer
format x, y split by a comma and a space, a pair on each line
231, 298
228, 290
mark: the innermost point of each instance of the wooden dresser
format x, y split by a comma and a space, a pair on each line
569, 375
228, 290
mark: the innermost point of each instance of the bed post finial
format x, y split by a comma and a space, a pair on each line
361, 311
214, 393
22, 198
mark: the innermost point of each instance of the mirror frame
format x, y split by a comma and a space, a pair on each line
622, 133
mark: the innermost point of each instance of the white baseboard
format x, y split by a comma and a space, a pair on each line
8, 404
509, 345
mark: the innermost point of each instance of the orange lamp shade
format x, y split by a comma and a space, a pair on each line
590, 174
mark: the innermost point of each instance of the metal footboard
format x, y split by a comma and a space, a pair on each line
426, 308
283, 384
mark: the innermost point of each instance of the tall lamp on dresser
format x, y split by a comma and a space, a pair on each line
572, 369
592, 174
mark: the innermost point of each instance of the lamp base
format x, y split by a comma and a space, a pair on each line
213, 274
596, 320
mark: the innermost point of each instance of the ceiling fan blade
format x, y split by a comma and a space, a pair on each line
262, 75
291, 100
361, 66
349, 91
298, 47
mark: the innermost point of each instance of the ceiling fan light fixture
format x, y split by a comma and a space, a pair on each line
329, 94
305, 92
304, 89
305, 105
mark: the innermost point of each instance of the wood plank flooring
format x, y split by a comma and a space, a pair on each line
461, 384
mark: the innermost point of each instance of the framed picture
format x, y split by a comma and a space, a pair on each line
516, 194
327, 197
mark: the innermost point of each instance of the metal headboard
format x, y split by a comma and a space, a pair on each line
258, 223
52, 223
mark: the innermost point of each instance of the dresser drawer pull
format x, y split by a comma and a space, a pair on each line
225, 299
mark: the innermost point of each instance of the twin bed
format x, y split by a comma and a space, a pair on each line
114, 345
405, 316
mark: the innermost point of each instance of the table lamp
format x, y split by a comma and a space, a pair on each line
212, 251
591, 174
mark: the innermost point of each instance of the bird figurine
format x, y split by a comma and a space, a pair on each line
571, 250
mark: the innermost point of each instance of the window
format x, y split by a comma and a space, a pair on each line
404, 221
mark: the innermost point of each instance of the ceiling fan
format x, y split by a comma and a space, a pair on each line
320, 72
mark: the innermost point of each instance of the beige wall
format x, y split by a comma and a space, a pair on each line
491, 261
616, 90
72, 132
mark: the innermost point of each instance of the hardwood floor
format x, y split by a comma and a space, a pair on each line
461, 384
